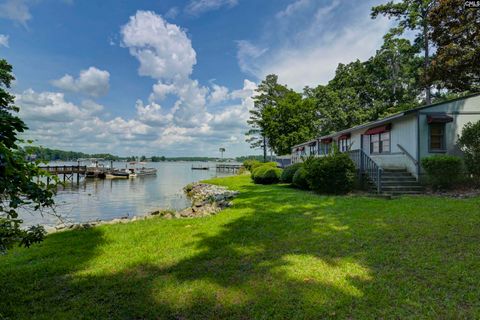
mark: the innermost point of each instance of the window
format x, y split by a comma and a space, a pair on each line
437, 137
313, 149
344, 144
325, 149
380, 143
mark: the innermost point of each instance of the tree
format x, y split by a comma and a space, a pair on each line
469, 143
412, 15
268, 92
455, 31
19, 187
222, 150
292, 120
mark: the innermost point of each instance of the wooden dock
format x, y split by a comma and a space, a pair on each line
234, 168
67, 172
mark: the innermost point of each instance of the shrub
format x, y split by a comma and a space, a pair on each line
266, 175
299, 179
248, 164
333, 174
269, 164
443, 171
289, 172
469, 143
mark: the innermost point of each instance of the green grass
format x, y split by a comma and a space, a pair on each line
278, 253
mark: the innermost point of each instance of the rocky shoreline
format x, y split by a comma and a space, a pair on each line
206, 199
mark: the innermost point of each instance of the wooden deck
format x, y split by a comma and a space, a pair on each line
67, 172
234, 168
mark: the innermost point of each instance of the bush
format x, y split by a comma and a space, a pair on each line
248, 164
333, 174
261, 164
443, 171
469, 143
266, 175
289, 172
299, 179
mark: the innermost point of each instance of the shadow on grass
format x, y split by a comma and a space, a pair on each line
288, 255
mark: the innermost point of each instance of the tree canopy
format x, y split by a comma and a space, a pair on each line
21, 184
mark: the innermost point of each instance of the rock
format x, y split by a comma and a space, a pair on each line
155, 213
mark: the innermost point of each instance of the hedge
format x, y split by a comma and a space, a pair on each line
299, 179
289, 172
266, 174
443, 171
332, 174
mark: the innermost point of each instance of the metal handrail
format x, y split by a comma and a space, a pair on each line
367, 166
408, 154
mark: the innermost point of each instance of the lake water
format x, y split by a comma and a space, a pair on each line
109, 199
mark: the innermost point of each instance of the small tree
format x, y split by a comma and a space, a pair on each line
20, 181
469, 143
222, 150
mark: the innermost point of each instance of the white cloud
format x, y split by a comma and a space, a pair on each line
309, 39
152, 114
247, 53
293, 8
218, 94
196, 7
163, 49
93, 82
172, 13
161, 90
16, 10
4, 40
48, 107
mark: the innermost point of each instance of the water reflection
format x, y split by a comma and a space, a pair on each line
109, 199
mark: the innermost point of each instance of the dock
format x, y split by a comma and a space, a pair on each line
67, 172
233, 168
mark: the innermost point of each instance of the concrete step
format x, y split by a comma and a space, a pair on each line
398, 193
403, 178
395, 170
402, 188
399, 183
396, 174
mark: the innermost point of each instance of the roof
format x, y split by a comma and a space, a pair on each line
389, 118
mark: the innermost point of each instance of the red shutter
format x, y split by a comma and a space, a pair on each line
380, 129
439, 118
344, 136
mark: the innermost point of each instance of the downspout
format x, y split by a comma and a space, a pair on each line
418, 146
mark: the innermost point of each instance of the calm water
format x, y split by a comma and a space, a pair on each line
110, 199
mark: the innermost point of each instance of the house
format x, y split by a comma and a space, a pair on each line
393, 146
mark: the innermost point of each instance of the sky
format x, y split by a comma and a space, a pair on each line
169, 77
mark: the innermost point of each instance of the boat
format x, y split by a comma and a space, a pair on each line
117, 174
200, 168
140, 171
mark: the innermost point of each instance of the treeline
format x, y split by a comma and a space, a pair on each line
442, 62
253, 157
46, 154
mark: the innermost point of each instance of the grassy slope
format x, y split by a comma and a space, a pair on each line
278, 253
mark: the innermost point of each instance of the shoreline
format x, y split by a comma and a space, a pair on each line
206, 200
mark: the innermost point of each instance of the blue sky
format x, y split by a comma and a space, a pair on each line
165, 77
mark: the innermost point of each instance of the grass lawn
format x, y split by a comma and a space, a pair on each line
278, 253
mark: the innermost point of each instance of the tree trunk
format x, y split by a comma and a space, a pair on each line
428, 98
264, 149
